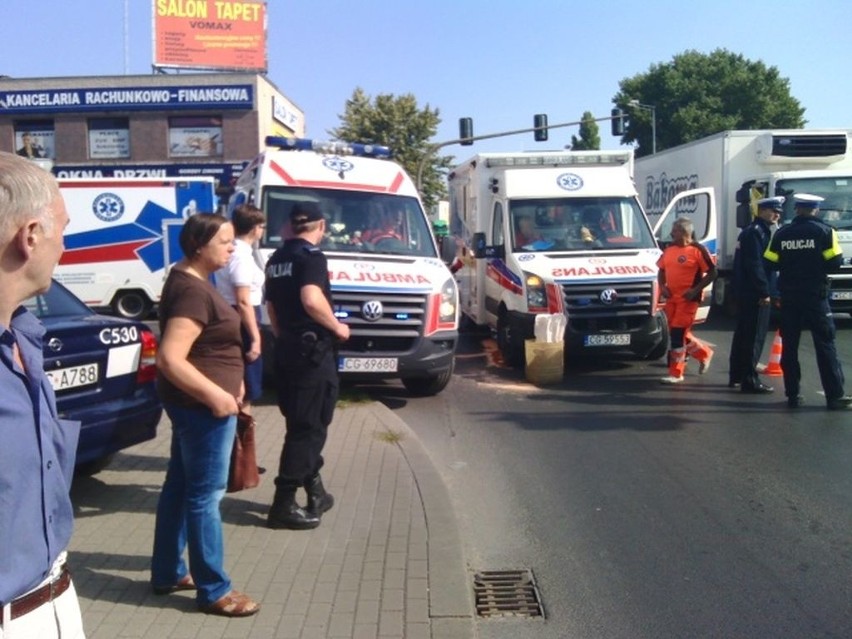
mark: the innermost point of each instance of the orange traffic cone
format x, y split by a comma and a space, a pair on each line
773, 368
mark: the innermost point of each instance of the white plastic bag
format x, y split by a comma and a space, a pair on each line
549, 328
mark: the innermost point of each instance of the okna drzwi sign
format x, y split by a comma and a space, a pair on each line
210, 34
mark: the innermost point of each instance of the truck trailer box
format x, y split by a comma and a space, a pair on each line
745, 166
123, 237
388, 282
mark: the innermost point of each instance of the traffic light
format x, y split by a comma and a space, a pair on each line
617, 122
466, 131
540, 124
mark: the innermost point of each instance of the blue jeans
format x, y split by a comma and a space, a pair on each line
188, 509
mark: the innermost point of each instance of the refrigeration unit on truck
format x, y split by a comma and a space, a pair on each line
562, 232
388, 282
745, 166
123, 237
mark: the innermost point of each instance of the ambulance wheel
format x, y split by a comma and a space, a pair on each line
661, 349
511, 347
132, 304
428, 386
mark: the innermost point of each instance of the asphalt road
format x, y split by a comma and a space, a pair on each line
645, 510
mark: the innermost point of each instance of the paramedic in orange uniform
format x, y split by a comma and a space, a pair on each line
686, 268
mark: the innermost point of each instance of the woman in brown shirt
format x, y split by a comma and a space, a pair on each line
200, 382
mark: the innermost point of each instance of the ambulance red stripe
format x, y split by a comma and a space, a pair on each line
110, 253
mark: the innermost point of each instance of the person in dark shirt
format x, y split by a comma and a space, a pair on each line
29, 149
37, 596
754, 286
804, 252
301, 316
200, 382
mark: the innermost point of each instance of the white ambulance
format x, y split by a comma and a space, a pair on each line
388, 282
123, 237
563, 232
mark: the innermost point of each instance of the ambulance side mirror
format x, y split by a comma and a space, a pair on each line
481, 250
448, 249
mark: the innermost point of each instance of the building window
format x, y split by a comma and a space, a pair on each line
35, 139
109, 138
195, 137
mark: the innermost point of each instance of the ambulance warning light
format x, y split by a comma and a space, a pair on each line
331, 147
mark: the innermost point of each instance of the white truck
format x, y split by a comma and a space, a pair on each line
744, 166
561, 232
388, 282
123, 237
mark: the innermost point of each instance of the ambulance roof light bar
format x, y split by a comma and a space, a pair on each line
332, 147
613, 158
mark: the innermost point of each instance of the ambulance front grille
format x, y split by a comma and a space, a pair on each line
608, 305
397, 330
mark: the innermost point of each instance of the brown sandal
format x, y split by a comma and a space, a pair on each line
184, 583
234, 604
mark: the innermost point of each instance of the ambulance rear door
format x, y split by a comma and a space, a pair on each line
699, 206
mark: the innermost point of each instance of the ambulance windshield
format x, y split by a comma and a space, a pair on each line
356, 222
581, 223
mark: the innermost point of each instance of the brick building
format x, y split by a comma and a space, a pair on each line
145, 125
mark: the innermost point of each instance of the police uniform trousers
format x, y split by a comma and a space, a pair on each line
798, 313
748, 340
308, 387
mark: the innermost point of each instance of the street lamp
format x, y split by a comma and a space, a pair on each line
653, 110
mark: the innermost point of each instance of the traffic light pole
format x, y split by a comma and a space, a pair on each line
434, 147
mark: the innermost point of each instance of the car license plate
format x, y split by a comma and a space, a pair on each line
367, 364
609, 339
73, 376
841, 295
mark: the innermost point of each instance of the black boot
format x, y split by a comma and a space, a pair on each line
286, 513
319, 501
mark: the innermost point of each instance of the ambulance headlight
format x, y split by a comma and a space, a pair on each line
447, 309
443, 309
536, 292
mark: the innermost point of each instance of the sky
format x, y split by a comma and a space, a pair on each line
496, 61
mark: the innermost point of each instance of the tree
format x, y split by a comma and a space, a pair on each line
699, 94
590, 138
398, 123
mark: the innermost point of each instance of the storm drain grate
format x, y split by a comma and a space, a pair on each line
506, 593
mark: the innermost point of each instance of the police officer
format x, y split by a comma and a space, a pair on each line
754, 284
299, 304
804, 252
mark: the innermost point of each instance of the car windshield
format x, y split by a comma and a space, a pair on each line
58, 301
356, 222
836, 209
570, 224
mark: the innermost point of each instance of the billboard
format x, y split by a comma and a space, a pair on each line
210, 34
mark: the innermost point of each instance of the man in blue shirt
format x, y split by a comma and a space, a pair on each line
37, 455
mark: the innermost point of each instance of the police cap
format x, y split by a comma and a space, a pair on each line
303, 212
807, 201
774, 203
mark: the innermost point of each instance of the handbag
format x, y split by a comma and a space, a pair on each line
243, 472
